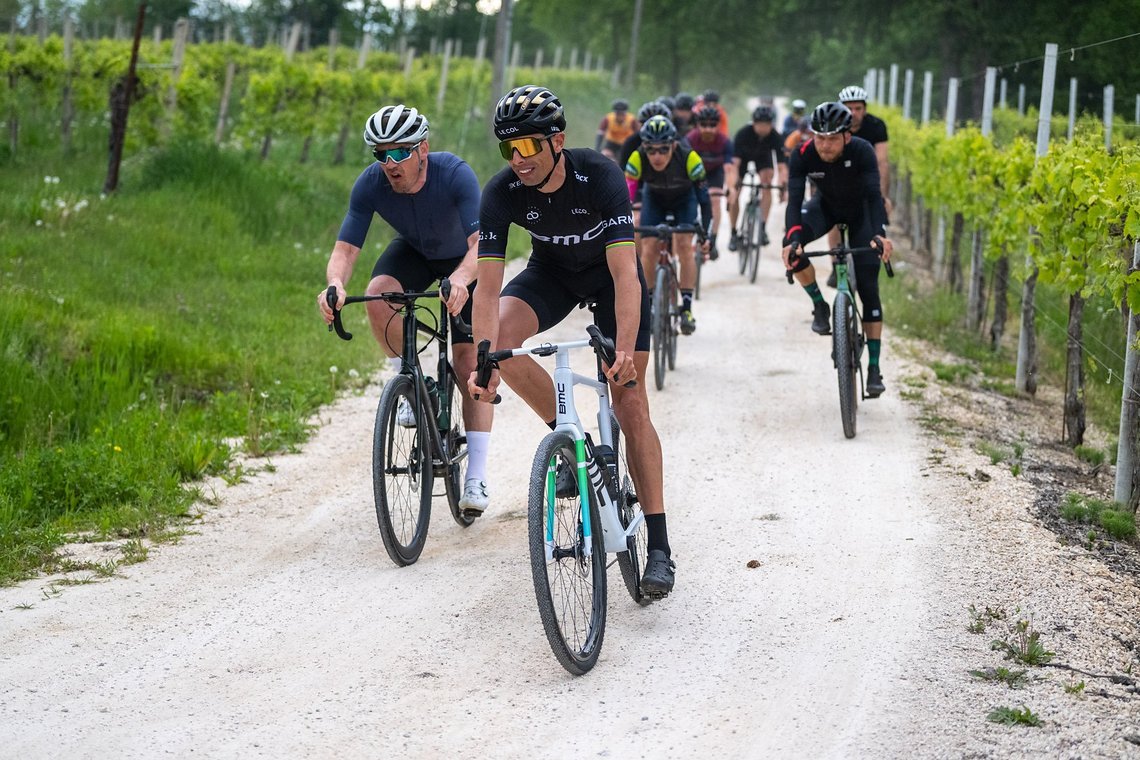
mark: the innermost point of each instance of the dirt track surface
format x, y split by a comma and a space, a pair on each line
278, 627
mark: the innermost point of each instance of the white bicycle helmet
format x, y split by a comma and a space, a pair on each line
395, 124
798, 104
851, 94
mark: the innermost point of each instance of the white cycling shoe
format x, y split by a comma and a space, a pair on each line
475, 499
405, 415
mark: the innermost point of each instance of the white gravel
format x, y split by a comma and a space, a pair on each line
279, 628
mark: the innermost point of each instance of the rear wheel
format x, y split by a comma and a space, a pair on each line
746, 235
661, 326
401, 473
674, 329
754, 242
846, 361
568, 567
454, 461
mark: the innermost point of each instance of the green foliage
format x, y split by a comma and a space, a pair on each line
1012, 716
1023, 644
1112, 517
1014, 679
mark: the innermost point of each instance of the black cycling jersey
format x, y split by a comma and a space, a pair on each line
848, 187
749, 146
633, 142
570, 228
872, 129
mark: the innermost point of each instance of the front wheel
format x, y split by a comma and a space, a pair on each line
453, 462
755, 243
402, 473
846, 360
567, 559
661, 326
632, 561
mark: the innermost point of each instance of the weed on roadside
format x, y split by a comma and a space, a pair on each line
1118, 523
1014, 679
1023, 644
1095, 457
1076, 689
951, 373
980, 619
1011, 716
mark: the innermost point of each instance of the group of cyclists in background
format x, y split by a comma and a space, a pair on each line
673, 158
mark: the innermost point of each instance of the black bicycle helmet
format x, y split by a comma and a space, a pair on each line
683, 101
658, 129
668, 102
711, 96
830, 119
764, 113
528, 110
651, 109
708, 114
620, 105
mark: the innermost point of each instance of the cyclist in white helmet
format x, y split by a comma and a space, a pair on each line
431, 200
792, 120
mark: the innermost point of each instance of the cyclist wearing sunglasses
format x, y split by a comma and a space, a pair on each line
845, 172
575, 205
431, 200
672, 179
760, 144
715, 150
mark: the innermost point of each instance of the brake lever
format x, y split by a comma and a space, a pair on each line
336, 324
483, 368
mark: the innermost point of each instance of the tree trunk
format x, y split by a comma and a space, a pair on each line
635, 32
927, 228
954, 266
500, 53
1027, 340
1001, 302
976, 308
1127, 486
1075, 375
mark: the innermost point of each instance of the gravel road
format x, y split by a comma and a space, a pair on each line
277, 627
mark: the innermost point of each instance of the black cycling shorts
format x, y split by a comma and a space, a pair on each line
553, 292
817, 219
408, 267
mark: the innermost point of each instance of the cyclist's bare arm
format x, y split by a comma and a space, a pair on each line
485, 319
622, 262
463, 275
338, 271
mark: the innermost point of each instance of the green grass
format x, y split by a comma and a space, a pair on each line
1093, 456
1023, 645
1014, 679
1115, 520
142, 331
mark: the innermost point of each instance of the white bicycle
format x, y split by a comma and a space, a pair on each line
576, 487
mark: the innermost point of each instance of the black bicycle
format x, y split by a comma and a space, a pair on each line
751, 236
419, 434
847, 339
666, 307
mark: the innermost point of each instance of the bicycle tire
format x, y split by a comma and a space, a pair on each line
742, 246
632, 561
453, 462
661, 326
845, 361
755, 243
674, 319
401, 474
571, 588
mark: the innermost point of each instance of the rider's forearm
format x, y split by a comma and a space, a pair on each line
341, 262
485, 310
627, 300
469, 267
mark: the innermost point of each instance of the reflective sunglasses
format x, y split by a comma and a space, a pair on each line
657, 150
526, 146
397, 155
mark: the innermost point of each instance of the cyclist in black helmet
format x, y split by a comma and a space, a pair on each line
845, 173
761, 145
575, 205
683, 115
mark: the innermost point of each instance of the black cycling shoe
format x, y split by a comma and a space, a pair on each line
714, 254
565, 482
657, 581
832, 280
764, 237
734, 241
875, 387
688, 323
821, 322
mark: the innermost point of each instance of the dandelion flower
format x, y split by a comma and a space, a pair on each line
333, 369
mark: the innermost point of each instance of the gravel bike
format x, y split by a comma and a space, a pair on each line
574, 524
406, 458
752, 231
665, 324
847, 339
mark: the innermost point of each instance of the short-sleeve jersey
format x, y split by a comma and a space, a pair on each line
714, 153
436, 220
672, 183
749, 146
616, 131
846, 186
571, 228
872, 129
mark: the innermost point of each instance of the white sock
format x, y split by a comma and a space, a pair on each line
395, 362
478, 444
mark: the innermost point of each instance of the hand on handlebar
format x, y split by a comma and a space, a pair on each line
457, 295
623, 371
885, 246
337, 289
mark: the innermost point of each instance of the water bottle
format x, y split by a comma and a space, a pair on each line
433, 392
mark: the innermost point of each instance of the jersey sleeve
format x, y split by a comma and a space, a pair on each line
354, 228
494, 221
694, 167
633, 166
614, 204
465, 193
793, 214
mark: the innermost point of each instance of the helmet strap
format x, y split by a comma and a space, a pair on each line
549, 174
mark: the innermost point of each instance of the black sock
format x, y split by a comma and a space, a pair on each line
686, 300
658, 534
